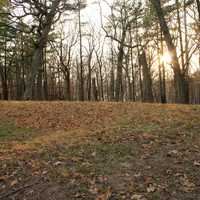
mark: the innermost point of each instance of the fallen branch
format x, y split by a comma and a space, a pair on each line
18, 190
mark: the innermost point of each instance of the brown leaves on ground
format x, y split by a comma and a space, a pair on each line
57, 115
67, 116
82, 150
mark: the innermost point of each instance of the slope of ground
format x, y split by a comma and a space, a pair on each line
100, 151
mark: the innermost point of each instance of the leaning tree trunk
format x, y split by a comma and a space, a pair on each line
180, 79
161, 68
198, 9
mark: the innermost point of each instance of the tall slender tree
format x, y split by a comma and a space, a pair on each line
180, 76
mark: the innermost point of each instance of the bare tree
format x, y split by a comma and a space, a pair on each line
180, 76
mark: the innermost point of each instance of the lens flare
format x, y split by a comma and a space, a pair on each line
166, 57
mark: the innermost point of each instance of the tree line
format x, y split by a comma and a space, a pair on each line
142, 50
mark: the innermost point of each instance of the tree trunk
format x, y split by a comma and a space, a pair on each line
19, 88
39, 85
180, 80
46, 95
35, 66
198, 8
95, 91
133, 76
112, 74
67, 91
147, 82
38, 52
161, 68
5, 89
101, 82
89, 82
130, 91
180, 33
112, 84
120, 57
81, 84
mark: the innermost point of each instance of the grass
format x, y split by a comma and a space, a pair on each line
100, 158
8, 130
84, 151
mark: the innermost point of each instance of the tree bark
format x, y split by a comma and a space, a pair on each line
180, 80
89, 79
67, 92
119, 86
95, 91
198, 8
37, 54
5, 89
147, 82
112, 75
81, 84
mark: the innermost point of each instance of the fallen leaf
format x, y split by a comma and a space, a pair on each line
151, 188
57, 163
3, 178
187, 184
137, 175
103, 179
105, 196
13, 183
94, 154
93, 188
172, 153
196, 163
137, 197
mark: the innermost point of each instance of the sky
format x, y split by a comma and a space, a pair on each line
92, 12
91, 15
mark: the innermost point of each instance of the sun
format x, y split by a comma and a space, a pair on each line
166, 58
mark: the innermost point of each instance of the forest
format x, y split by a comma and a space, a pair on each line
128, 50
99, 99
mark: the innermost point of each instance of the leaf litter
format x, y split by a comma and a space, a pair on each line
100, 151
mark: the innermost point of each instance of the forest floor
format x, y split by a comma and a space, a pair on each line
99, 151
